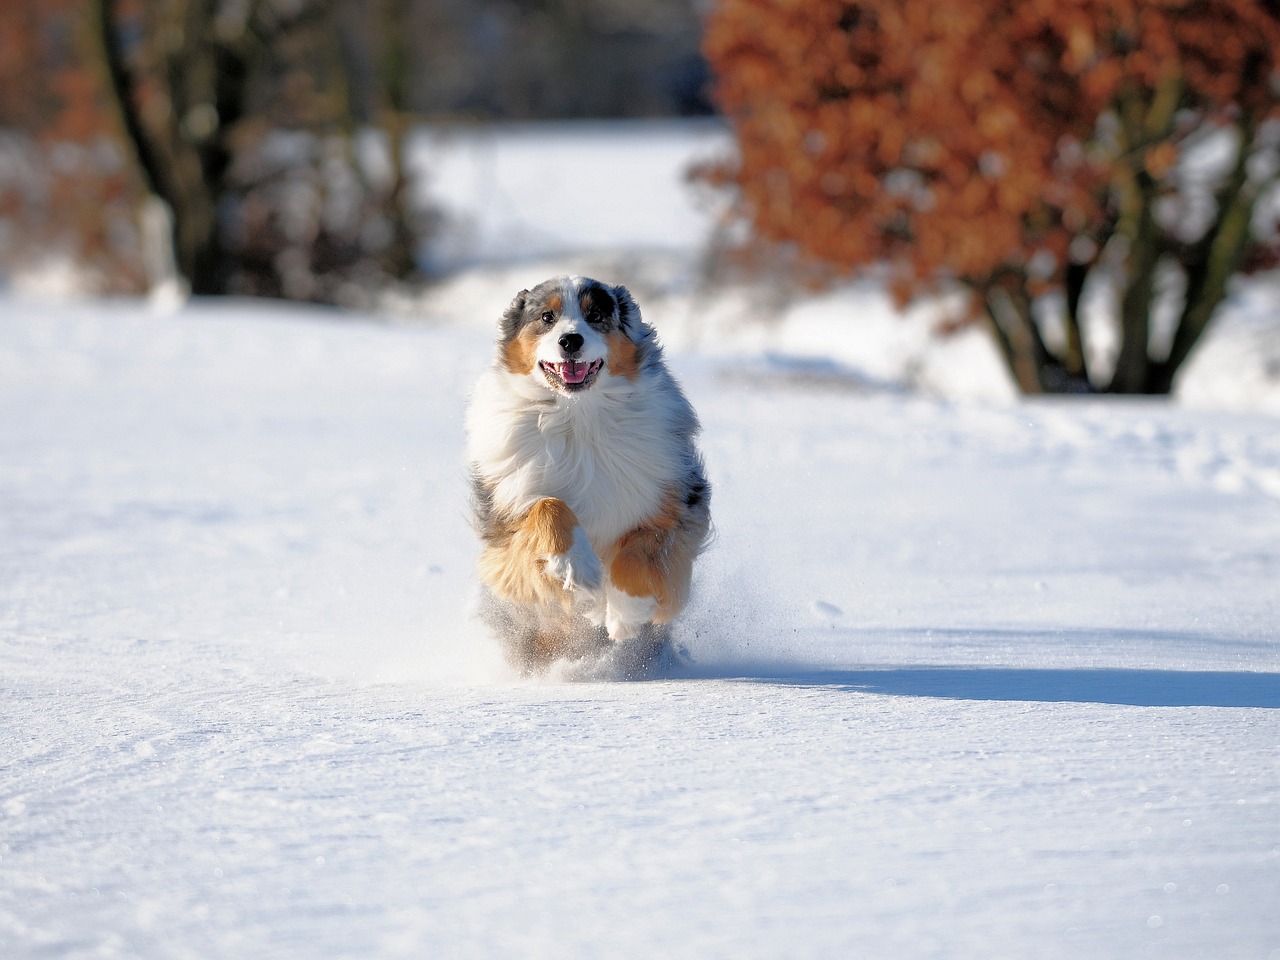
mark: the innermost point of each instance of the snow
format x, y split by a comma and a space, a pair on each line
535, 191
969, 676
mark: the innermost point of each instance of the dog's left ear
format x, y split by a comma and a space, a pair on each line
628, 310
513, 315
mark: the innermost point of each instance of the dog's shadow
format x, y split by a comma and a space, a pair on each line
1120, 685
1138, 688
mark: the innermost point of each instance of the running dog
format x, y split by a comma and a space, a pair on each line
589, 494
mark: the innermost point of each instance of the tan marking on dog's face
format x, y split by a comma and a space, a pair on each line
520, 354
624, 356
555, 303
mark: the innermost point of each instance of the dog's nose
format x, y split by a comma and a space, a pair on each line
571, 343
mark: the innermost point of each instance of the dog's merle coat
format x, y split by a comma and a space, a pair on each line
589, 494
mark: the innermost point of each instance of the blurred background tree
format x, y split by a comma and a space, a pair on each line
1043, 154
246, 118
67, 190
259, 146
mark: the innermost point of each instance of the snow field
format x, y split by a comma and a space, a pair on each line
968, 679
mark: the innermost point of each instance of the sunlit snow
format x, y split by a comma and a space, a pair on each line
968, 676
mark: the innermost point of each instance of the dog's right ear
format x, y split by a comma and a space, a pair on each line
628, 309
514, 315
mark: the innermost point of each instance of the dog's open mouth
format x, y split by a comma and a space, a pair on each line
571, 375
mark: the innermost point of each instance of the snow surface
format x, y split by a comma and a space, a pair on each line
522, 191
967, 680
970, 677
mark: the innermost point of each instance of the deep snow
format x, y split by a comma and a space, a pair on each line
970, 678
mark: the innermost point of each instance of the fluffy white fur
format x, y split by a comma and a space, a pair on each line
608, 453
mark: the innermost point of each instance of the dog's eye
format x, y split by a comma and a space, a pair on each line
594, 316
548, 317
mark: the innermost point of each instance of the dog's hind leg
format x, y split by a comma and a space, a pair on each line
650, 568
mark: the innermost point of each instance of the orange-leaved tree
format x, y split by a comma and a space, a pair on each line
67, 193
1044, 154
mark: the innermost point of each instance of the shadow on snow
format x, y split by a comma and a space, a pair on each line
1128, 686
1138, 688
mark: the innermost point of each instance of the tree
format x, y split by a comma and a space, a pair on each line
243, 118
1035, 152
232, 139
67, 192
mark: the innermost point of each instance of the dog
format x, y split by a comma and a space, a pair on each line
589, 493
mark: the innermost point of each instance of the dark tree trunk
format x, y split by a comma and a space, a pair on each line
1211, 264
1134, 361
180, 151
1207, 264
1034, 367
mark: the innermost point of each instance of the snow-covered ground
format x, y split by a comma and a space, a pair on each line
970, 677
515, 192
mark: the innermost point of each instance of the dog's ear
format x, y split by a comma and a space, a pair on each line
628, 311
514, 315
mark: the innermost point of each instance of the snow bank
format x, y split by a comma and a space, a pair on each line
1237, 367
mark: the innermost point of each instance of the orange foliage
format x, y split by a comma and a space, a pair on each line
66, 188
961, 138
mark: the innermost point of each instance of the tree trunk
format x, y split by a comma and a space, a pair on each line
1214, 259
1073, 360
1034, 368
394, 59
1134, 361
1145, 119
181, 150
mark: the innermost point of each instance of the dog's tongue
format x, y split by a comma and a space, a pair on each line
571, 372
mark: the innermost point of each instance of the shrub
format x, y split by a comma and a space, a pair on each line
1026, 150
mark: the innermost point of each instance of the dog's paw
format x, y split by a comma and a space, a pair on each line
578, 568
627, 614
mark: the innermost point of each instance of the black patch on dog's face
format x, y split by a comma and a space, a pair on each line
627, 309
598, 306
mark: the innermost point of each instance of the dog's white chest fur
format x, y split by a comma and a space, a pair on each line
611, 455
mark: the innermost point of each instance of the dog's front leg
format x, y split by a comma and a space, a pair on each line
560, 545
544, 557
639, 582
651, 567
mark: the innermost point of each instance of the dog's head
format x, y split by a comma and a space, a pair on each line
568, 332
